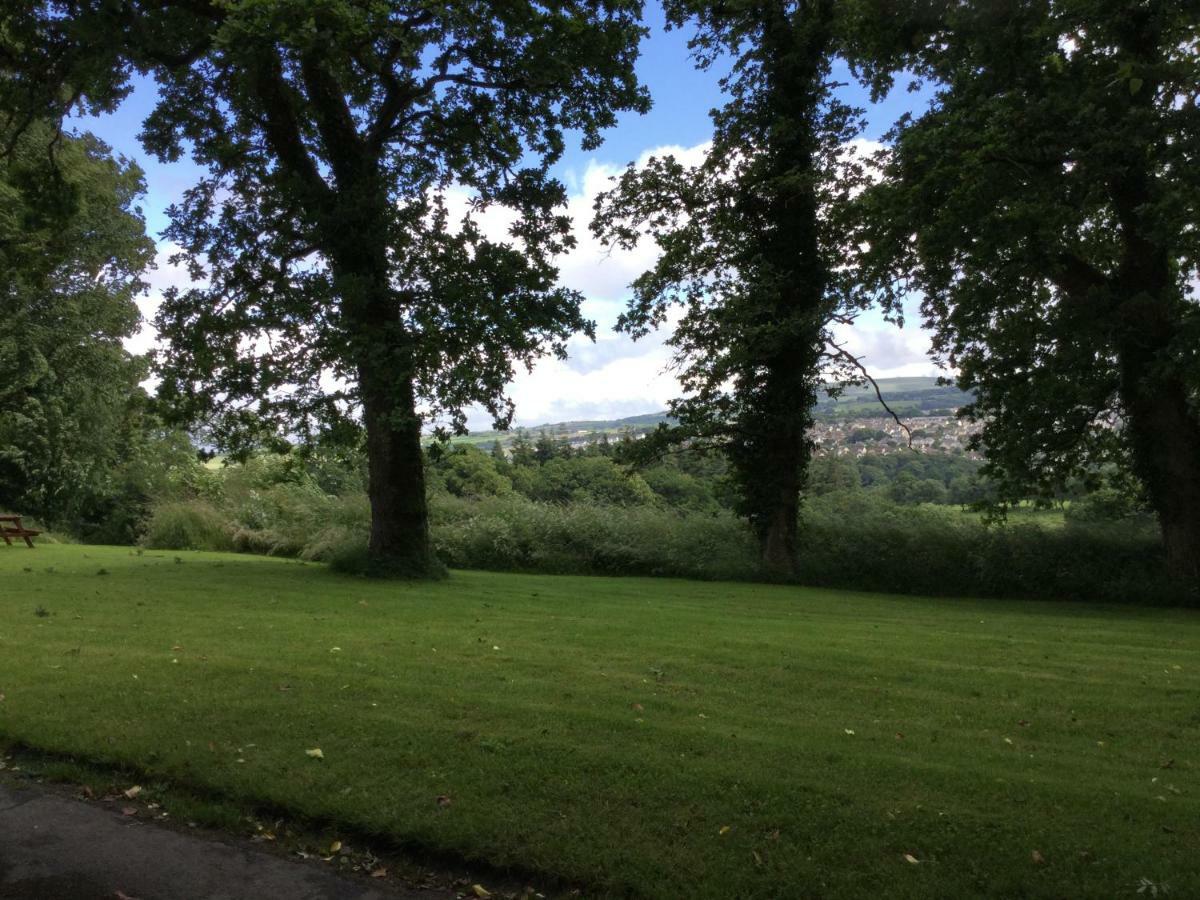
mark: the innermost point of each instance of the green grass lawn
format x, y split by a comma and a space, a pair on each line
651, 737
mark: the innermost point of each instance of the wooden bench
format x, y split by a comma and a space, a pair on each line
11, 527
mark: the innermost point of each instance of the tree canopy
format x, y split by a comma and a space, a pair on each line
1045, 209
750, 241
336, 282
72, 253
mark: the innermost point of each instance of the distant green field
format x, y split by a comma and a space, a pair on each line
636, 737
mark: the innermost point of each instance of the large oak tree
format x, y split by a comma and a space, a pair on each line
1047, 208
335, 282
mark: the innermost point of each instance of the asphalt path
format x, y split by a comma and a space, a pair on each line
53, 847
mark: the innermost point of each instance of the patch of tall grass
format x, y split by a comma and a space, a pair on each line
854, 540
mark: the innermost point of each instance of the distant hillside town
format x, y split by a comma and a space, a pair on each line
852, 423
859, 437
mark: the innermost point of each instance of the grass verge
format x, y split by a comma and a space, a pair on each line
645, 737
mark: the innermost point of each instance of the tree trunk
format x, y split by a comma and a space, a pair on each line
778, 539
775, 467
399, 544
1165, 436
1163, 426
796, 49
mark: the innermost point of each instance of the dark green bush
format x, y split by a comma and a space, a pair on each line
861, 542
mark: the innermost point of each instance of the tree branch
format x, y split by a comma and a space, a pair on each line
282, 127
335, 121
845, 355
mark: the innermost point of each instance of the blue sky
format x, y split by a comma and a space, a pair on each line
615, 376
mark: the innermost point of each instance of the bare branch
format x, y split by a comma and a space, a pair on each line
840, 352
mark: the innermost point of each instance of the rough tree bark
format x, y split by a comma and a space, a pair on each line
783, 470
399, 543
1161, 418
1166, 442
1163, 429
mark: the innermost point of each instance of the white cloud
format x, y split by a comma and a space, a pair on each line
886, 350
164, 275
614, 376
617, 376
598, 271
630, 382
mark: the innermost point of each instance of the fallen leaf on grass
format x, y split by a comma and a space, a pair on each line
133, 791
314, 753
757, 859
444, 800
335, 846
481, 892
379, 873
638, 707
1037, 857
725, 829
909, 858
849, 731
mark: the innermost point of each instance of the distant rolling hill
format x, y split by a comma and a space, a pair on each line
914, 397
909, 397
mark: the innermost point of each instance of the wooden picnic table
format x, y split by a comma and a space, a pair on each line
11, 527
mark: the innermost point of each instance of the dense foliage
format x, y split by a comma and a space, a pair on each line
80, 448
872, 523
1045, 207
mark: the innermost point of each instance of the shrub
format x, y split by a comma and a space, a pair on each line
187, 525
514, 533
856, 540
860, 542
1103, 505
